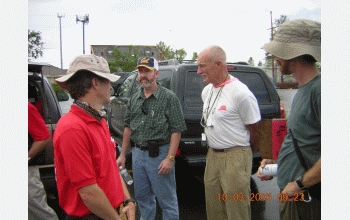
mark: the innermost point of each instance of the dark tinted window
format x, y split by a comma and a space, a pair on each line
256, 84
164, 78
125, 88
193, 89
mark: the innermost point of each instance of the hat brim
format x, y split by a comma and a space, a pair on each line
289, 51
62, 80
150, 68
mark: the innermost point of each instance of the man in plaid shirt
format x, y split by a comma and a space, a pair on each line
153, 124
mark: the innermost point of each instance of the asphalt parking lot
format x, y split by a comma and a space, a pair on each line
192, 200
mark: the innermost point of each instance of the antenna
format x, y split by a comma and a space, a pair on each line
84, 19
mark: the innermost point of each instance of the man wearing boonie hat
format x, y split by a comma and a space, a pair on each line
153, 124
296, 48
88, 180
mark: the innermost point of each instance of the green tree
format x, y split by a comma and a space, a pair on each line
124, 61
194, 56
180, 54
35, 45
279, 21
56, 88
251, 61
166, 52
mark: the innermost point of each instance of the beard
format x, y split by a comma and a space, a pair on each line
285, 68
145, 83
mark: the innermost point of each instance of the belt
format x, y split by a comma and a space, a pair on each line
145, 146
87, 217
225, 149
142, 147
220, 150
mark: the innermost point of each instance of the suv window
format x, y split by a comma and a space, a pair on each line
127, 86
193, 87
256, 84
164, 78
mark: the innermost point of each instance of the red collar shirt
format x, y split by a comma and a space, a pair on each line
84, 154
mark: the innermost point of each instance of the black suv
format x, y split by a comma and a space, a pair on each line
183, 80
41, 94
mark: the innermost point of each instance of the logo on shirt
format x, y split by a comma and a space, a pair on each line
222, 108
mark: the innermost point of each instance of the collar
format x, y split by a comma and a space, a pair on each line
224, 83
90, 110
155, 93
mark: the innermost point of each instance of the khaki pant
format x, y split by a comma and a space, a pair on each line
227, 184
300, 210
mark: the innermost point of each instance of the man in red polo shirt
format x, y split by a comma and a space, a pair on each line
88, 179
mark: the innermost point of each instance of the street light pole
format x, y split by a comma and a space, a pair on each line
84, 19
59, 17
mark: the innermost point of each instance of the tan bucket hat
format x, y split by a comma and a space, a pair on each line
90, 62
295, 38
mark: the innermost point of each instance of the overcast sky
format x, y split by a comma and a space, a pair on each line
239, 28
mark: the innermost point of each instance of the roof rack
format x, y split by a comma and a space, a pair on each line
175, 62
188, 61
239, 62
168, 62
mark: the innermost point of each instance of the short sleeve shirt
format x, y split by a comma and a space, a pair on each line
155, 117
36, 124
84, 154
227, 111
305, 123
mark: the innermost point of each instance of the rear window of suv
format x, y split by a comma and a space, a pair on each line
193, 89
256, 84
194, 86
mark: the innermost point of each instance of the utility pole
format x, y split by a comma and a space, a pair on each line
84, 19
272, 59
59, 17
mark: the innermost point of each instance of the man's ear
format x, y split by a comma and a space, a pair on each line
94, 82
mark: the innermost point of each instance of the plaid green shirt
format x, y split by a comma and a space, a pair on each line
155, 117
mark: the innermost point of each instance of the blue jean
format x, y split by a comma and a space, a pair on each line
149, 185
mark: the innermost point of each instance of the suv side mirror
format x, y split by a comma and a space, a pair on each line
62, 96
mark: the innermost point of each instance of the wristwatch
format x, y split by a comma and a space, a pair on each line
129, 200
299, 182
172, 158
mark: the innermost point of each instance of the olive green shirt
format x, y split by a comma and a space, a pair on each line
305, 122
155, 117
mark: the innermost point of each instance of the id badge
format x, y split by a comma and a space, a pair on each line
204, 140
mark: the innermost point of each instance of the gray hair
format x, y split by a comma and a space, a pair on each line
215, 53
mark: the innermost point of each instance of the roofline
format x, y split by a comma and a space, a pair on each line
38, 63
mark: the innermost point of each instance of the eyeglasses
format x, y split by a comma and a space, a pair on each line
143, 108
